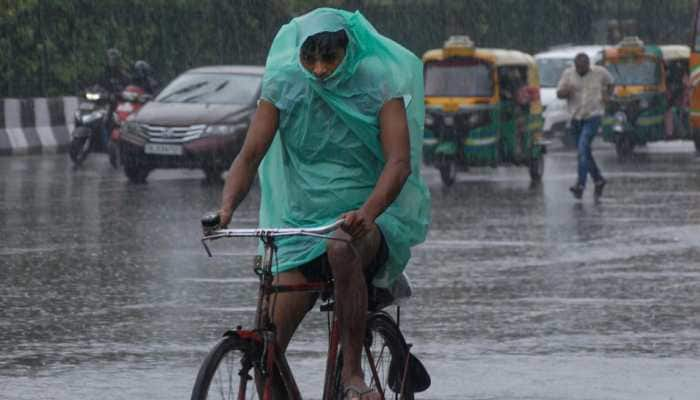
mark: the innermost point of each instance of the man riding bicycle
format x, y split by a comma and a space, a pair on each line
337, 133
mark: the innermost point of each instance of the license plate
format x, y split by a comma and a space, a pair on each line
163, 149
86, 106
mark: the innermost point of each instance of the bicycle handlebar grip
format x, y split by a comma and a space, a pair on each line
211, 221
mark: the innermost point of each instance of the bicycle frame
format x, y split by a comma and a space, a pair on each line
267, 360
264, 332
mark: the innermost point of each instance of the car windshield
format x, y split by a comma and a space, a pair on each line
551, 69
634, 71
211, 88
458, 78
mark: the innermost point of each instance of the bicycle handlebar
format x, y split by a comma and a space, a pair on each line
273, 232
211, 221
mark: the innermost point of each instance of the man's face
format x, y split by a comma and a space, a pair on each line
583, 65
322, 66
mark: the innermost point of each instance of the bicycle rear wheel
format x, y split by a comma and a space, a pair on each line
386, 357
226, 372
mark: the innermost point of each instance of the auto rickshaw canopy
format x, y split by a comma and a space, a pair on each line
675, 52
461, 46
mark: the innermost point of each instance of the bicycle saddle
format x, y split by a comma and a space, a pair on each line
396, 294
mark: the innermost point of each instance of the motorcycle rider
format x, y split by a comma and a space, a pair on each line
114, 78
143, 77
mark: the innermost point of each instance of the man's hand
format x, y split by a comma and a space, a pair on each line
224, 218
357, 223
564, 92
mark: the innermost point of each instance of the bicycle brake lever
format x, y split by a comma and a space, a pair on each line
204, 243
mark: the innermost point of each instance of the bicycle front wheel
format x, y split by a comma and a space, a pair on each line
227, 371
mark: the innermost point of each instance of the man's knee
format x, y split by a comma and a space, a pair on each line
341, 257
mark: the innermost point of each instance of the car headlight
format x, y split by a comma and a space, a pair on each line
93, 116
449, 120
429, 120
223, 129
644, 103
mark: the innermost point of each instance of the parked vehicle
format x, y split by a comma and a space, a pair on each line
649, 103
130, 101
198, 121
482, 109
551, 64
694, 79
93, 122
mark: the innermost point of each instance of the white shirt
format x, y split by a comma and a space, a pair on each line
586, 96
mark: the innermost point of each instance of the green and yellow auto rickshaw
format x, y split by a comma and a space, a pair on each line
694, 78
650, 99
482, 109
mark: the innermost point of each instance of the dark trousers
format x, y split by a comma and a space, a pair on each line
584, 131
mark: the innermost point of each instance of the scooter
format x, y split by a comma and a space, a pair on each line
93, 122
130, 101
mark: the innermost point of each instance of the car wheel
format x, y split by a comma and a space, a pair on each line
212, 174
136, 170
136, 174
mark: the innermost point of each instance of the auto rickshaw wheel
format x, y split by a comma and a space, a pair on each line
448, 171
537, 168
624, 147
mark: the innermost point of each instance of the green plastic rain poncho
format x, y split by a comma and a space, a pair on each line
326, 156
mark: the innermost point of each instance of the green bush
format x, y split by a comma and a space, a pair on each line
52, 47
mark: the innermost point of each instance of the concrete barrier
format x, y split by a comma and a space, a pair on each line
37, 125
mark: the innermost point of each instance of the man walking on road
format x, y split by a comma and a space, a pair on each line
586, 88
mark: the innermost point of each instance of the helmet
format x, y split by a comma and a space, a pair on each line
114, 57
142, 69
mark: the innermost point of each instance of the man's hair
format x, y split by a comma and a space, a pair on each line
582, 56
324, 45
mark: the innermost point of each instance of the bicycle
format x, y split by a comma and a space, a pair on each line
226, 371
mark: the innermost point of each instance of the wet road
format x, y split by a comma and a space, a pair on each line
520, 291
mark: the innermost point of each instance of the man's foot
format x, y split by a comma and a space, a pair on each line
599, 186
352, 392
577, 190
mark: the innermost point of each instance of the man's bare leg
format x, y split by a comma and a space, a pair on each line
348, 262
287, 311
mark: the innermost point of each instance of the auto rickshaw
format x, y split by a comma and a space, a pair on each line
482, 109
650, 99
695, 78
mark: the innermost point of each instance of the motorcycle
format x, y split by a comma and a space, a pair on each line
93, 122
130, 101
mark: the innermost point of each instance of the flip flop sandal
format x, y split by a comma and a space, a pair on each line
351, 391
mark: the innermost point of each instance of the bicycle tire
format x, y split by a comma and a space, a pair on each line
239, 355
382, 334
